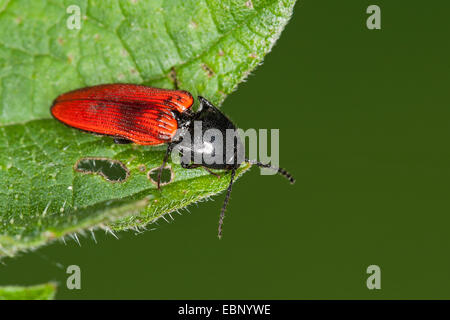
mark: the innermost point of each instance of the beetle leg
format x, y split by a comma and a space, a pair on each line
121, 141
190, 166
166, 157
225, 203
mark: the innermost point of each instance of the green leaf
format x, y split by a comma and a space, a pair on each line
203, 46
39, 292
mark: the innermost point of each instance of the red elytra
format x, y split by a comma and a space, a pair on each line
143, 115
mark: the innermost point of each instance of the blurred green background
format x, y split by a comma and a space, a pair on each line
364, 127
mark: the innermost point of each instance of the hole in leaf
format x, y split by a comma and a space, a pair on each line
111, 170
167, 175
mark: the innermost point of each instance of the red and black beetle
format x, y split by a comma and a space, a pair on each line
151, 116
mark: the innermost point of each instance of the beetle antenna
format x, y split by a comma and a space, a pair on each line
279, 170
225, 203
